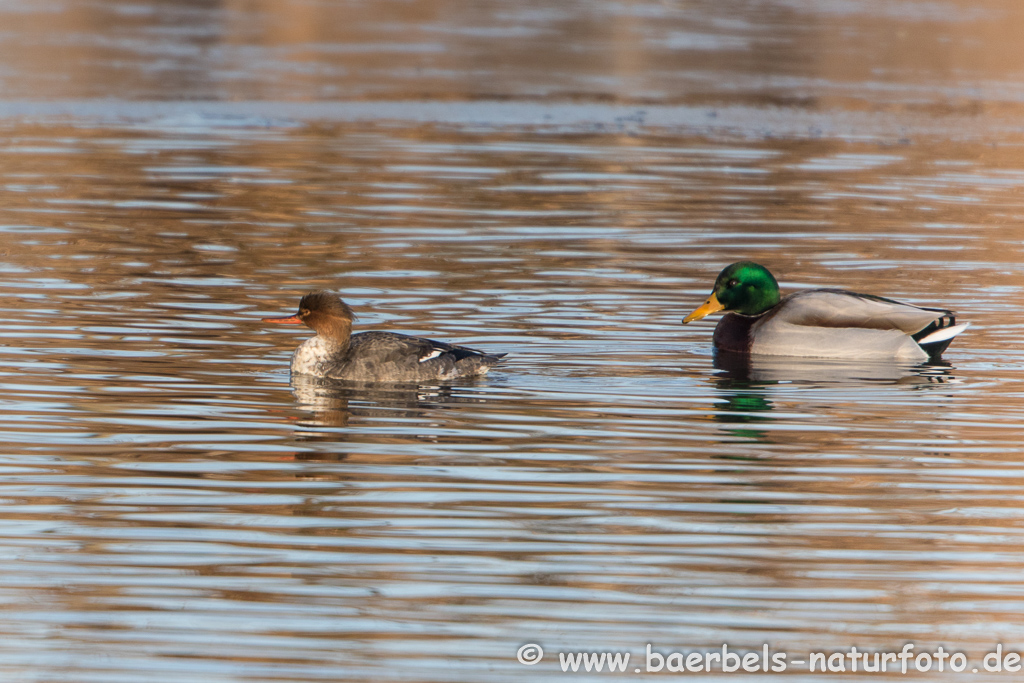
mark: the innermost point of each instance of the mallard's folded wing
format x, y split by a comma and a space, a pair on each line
838, 308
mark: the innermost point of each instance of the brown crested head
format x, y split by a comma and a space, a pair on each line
324, 312
322, 302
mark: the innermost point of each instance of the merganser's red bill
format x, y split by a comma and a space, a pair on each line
293, 320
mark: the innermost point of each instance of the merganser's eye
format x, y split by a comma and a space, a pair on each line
304, 312
732, 283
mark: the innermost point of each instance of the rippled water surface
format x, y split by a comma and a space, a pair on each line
559, 183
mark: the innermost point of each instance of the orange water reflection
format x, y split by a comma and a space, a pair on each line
173, 505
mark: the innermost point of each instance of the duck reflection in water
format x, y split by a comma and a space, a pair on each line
331, 405
746, 369
746, 383
334, 403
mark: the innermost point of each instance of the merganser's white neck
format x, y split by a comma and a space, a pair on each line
313, 355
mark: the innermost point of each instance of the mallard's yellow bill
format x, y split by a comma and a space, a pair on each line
707, 308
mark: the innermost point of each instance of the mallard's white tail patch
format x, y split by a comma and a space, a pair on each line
944, 333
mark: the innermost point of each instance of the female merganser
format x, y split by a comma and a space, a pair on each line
336, 353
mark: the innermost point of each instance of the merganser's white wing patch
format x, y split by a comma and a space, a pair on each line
434, 353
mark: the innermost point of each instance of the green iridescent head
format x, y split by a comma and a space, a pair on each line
744, 287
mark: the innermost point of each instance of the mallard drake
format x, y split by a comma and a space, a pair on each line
336, 353
820, 323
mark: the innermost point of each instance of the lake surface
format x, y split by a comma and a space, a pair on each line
559, 183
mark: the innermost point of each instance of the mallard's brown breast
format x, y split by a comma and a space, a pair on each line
733, 333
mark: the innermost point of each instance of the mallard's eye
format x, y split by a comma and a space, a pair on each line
732, 283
